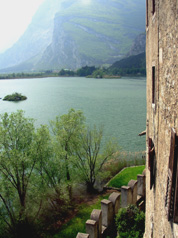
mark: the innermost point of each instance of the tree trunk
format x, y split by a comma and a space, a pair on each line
69, 187
90, 187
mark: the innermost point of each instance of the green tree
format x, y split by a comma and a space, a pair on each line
67, 130
86, 70
23, 153
98, 73
91, 156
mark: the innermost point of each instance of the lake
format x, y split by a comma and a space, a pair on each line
117, 104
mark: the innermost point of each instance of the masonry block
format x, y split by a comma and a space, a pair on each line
82, 235
91, 228
126, 196
96, 215
107, 212
115, 199
133, 185
144, 172
141, 185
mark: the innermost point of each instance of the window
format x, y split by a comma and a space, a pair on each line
153, 84
153, 7
151, 162
171, 200
147, 13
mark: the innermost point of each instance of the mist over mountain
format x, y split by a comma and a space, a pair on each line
74, 33
138, 46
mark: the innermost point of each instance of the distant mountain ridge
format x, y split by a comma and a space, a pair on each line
134, 61
132, 65
70, 34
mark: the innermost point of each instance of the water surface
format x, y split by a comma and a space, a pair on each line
117, 104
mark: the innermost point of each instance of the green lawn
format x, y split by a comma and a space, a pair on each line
77, 224
125, 176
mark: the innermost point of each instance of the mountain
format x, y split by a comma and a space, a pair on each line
74, 33
134, 61
35, 39
138, 46
135, 64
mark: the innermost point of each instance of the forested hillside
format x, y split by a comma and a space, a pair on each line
132, 65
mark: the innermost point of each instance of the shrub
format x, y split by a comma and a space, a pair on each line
130, 222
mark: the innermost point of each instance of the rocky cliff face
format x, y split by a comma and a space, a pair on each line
35, 39
74, 33
138, 46
62, 52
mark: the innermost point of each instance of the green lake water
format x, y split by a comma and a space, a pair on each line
117, 104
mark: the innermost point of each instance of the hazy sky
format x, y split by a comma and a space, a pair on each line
15, 15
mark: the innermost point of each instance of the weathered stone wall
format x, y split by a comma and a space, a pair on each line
161, 52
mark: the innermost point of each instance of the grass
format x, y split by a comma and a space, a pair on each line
77, 224
125, 176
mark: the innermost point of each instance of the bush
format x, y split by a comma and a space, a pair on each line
130, 222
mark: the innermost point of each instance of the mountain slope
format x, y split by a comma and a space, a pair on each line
138, 46
134, 61
35, 39
132, 65
73, 33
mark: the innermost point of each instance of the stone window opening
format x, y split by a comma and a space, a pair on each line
171, 199
147, 13
151, 162
153, 84
153, 7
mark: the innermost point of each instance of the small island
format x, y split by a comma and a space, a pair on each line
15, 97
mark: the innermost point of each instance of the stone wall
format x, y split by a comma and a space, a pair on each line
102, 222
162, 57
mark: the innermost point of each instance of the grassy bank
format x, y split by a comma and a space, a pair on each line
125, 176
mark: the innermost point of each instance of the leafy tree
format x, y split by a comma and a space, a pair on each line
98, 73
86, 70
67, 130
25, 160
90, 158
80, 149
17, 161
48, 166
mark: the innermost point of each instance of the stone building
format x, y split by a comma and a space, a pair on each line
162, 119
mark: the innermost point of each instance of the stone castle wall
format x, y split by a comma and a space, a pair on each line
162, 111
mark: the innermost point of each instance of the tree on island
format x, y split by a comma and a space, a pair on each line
15, 97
